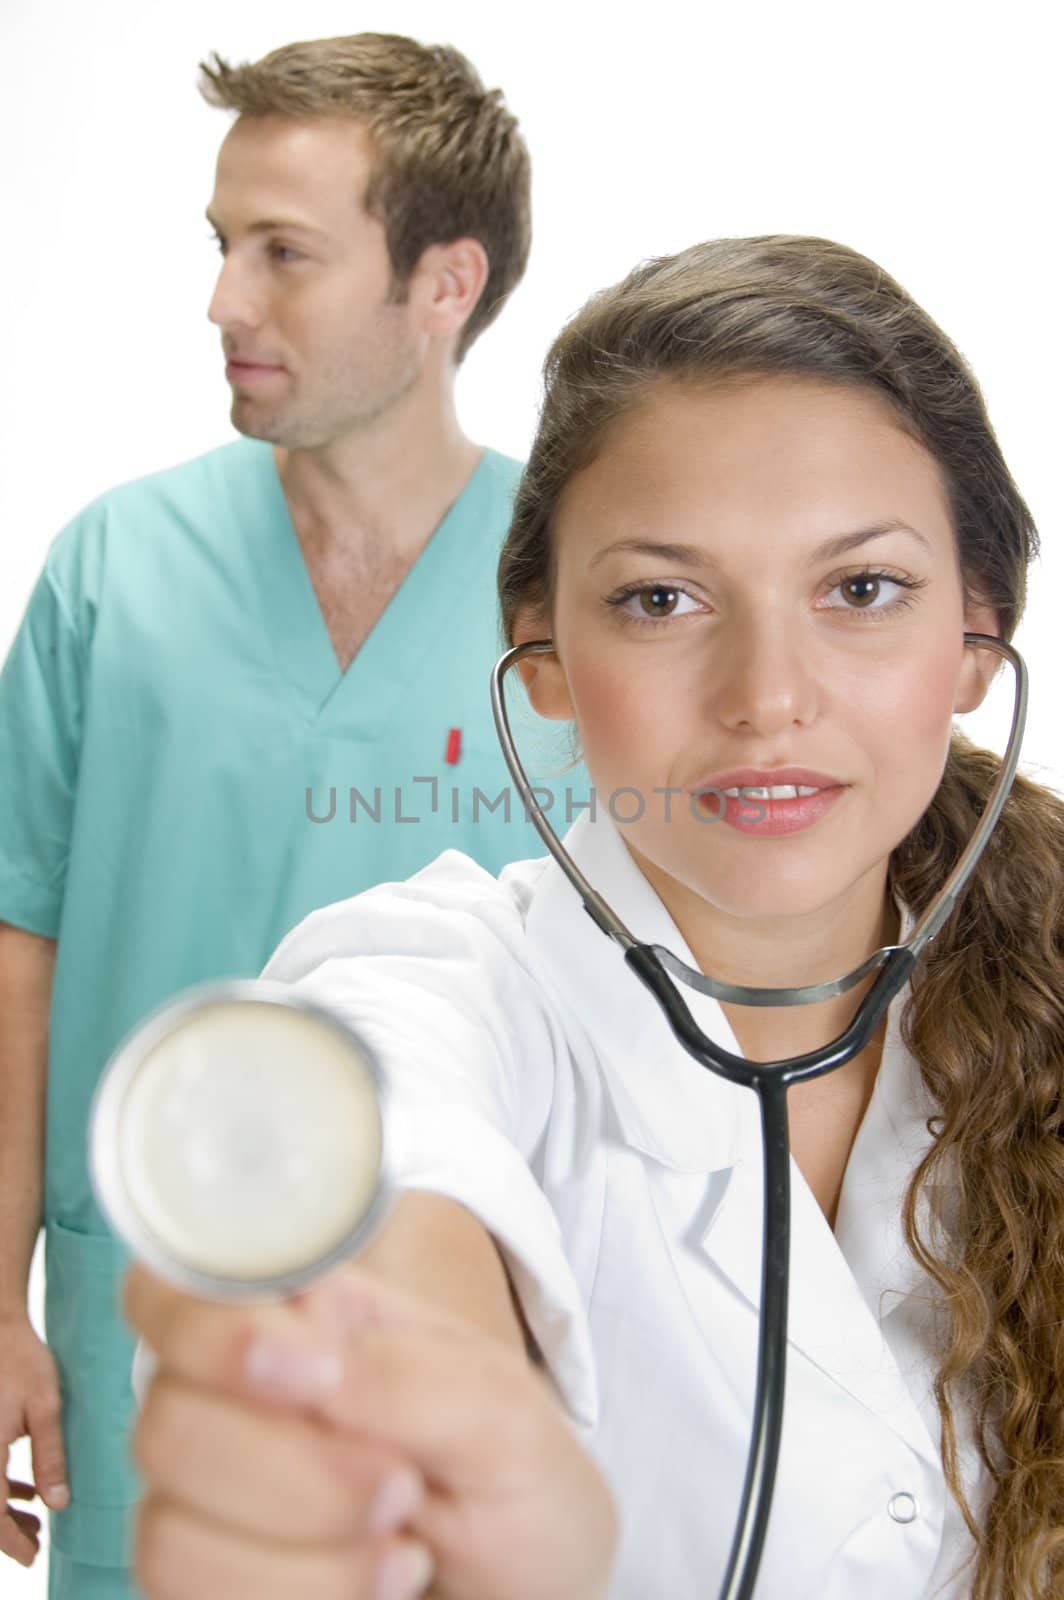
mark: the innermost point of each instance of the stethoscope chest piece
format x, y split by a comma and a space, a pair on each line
237, 1141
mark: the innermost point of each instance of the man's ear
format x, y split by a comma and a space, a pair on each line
979, 666
542, 675
451, 279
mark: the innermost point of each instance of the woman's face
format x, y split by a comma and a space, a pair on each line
756, 586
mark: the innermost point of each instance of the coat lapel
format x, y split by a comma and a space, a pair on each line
830, 1320
666, 1104
690, 1122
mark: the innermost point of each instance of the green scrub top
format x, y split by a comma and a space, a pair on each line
184, 774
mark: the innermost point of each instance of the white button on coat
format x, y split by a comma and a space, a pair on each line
538, 1083
903, 1507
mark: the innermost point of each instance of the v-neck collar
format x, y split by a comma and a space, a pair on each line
398, 647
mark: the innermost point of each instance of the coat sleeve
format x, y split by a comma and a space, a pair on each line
435, 977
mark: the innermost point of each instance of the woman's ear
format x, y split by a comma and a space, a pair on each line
542, 675
979, 666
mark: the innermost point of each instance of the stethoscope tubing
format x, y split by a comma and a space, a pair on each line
770, 1080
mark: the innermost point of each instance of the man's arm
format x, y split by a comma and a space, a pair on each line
29, 1389
26, 966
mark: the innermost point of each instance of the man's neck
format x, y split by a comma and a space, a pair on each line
382, 489
365, 506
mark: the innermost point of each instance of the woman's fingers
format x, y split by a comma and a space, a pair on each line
287, 1479
178, 1554
428, 1391
359, 1354
516, 1509
511, 1506
203, 1340
242, 1501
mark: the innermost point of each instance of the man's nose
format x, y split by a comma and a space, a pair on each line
236, 300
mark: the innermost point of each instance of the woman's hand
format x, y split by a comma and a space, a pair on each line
355, 1444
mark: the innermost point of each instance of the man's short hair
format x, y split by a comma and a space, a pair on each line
449, 161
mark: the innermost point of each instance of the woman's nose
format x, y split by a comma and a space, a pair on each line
765, 682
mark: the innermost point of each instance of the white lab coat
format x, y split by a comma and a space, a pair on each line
537, 1082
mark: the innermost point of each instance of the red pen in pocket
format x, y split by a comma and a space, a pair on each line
454, 747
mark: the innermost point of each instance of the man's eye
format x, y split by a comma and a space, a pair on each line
218, 242
284, 252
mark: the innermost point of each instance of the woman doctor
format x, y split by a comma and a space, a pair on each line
763, 507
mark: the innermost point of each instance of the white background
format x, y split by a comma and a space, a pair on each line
923, 134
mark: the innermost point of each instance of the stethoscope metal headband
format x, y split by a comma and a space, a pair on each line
769, 1079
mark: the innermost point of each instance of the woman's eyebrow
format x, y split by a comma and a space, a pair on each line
693, 555
876, 530
683, 555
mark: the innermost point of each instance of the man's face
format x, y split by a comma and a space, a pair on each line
315, 346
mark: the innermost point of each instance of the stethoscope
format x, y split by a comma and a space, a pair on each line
237, 1178
769, 1080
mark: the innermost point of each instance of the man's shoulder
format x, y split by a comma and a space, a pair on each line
186, 481
507, 469
487, 502
140, 509
497, 477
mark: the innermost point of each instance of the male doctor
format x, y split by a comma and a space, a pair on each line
253, 683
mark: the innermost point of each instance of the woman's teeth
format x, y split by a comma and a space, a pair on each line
778, 791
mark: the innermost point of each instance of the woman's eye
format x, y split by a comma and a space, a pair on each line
870, 591
283, 252
863, 592
659, 601
654, 602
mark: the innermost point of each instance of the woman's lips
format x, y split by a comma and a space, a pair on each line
766, 817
